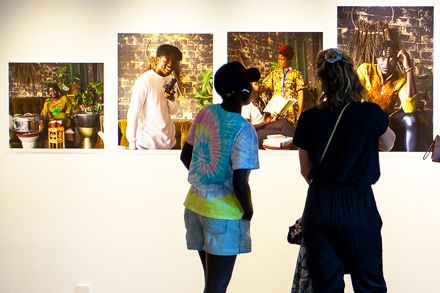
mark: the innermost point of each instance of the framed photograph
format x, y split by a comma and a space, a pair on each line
286, 61
56, 105
164, 77
392, 48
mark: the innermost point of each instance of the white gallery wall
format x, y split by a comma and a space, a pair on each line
113, 219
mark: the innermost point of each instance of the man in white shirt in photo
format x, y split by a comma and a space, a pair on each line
149, 123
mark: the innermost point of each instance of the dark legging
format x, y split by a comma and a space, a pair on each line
218, 271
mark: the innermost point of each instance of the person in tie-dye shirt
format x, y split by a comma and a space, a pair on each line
220, 151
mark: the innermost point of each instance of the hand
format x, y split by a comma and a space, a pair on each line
403, 56
247, 215
269, 119
169, 96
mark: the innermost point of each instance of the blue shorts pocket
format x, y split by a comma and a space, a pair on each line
215, 226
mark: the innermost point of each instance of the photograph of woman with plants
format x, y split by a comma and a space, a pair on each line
56, 105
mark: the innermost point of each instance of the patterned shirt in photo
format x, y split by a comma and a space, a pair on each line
287, 85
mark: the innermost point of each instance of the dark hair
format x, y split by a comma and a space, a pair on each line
286, 51
393, 46
169, 50
54, 86
339, 81
233, 77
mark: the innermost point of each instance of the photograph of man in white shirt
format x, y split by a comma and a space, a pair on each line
153, 101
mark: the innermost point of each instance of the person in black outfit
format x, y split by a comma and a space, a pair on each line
342, 226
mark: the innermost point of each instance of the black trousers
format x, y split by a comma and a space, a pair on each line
342, 235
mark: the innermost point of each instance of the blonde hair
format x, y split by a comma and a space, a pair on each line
339, 81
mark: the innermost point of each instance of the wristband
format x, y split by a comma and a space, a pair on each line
409, 69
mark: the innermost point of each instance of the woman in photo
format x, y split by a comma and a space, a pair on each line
56, 106
286, 82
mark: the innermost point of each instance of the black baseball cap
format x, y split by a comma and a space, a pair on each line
233, 77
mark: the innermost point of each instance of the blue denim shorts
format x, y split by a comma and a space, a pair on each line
216, 236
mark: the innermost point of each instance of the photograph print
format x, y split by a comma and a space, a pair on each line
286, 61
164, 80
56, 105
392, 49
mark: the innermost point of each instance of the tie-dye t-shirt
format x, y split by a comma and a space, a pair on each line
222, 142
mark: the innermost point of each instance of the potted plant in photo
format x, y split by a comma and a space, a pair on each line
65, 81
88, 99
88, 105
204, 96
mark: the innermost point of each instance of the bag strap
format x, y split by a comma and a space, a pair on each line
333, 132
429, 150
432, 148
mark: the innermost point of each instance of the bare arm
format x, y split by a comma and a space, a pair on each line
305, 163
186, 154
407, 65
267, 120
300, 103
386, 140
240, 181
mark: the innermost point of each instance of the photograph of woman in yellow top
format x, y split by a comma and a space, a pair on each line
57, 107
285, 60
286, 81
